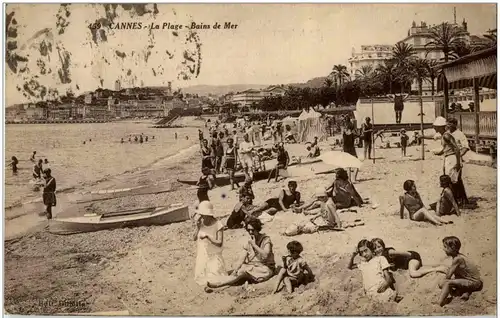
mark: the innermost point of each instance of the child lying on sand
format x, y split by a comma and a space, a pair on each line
295, 271
467, 278
377, 282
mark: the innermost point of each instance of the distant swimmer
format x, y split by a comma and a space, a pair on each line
84, 142
37, 169
32, 158
187, 137
135, 138
153, 137
90, 140
141, 140
129, 139
146, 139
121, 141
14, 164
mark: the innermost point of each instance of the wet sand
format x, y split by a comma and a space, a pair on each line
150, 270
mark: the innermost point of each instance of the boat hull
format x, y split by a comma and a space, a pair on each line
92, 223
239, 177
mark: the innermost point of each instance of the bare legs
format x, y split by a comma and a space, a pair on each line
462, 286
416, 270
231, 280
426, 215
231, 179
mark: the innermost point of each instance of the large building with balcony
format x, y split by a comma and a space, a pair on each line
252, 97
370, 55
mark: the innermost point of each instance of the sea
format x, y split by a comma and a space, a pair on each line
75, 164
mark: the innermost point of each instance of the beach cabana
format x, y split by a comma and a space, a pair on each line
311, 125
475, 70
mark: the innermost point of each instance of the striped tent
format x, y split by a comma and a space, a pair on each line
460, 73
311, 125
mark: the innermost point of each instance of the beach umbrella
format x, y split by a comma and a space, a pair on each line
340, 159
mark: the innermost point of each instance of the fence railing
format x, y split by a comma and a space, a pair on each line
487, 123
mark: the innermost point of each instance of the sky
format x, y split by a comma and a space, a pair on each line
272, 43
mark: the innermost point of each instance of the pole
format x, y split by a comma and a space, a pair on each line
421, 115
475, 84
373, 131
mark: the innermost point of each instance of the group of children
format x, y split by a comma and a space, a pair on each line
462, 277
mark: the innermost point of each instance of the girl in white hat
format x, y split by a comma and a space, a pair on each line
210, 266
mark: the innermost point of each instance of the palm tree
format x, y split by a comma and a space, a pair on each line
433, 73
328, 82
339, 72
387, 73
365, 71
419, 70
461, 49
402, 53
444, 37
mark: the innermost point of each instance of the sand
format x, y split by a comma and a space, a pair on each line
150, 270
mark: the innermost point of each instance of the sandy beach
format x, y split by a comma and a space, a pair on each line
149, 271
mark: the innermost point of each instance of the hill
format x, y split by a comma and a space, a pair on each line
219, 89
316, 82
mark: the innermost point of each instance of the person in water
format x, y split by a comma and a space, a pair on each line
446, 205
14, 164
49, 193
283, 160
463, 276
205, 183
231, 161
412, 201
32, 158
38, 169
287, 199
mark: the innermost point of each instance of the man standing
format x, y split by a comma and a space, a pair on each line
462, 142
367, 133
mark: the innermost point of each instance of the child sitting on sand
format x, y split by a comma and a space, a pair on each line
446, 205
412, 201
295, 271
377, 281
467, 278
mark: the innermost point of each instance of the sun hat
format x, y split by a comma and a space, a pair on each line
206, 208
440, 121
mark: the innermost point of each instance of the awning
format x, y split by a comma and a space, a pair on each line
481, 65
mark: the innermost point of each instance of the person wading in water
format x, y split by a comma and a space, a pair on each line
49, 193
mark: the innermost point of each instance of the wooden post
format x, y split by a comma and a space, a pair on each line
373, 131
475, 83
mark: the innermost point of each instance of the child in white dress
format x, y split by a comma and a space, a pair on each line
377, 281
209, 234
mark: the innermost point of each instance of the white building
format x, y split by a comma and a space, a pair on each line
370, 55
252, 97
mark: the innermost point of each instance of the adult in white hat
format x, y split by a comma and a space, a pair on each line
463, 144
210, 266
452, 160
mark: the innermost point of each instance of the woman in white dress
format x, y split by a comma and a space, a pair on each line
209, 234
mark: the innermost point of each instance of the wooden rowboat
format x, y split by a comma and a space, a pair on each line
223, 180
132, 218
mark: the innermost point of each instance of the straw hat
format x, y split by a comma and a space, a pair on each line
440, 121
206, 208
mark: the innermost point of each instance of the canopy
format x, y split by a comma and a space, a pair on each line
481, 65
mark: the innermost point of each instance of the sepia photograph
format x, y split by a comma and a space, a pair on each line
231, 159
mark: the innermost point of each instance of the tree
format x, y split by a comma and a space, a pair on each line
419, 70
364, 72
433, 73
444, 37
340, 73
386, 73
402, 54
328, 82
